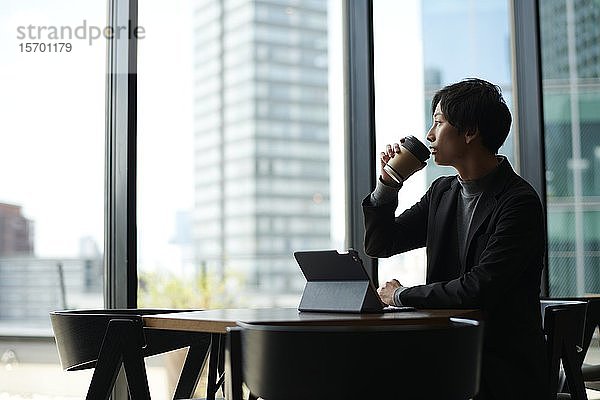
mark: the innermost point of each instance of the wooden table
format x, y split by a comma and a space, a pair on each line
216, 323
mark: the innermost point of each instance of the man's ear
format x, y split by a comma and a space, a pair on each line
471, 135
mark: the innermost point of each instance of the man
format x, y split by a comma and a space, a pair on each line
483, 233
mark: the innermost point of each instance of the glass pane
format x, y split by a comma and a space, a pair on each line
570, 40
236, 139
52, 77
421, 46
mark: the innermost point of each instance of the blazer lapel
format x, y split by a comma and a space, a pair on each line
486, 205
444, 233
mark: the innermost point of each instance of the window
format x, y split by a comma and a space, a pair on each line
421, 46
51, 187
570, 50
236, 150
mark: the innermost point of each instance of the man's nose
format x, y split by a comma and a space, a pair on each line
430, 136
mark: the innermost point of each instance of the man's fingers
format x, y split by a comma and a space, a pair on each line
390, 150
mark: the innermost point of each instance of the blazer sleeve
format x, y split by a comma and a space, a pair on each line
386, 235
513, 253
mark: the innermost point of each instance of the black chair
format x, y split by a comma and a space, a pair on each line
590, 373
358, 362
106, 339
564, 326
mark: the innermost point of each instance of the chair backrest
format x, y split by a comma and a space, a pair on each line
79, 334
592, 321
574, 318
564, 323
327, 362
592, 318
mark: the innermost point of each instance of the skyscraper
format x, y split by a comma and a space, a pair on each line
261, 139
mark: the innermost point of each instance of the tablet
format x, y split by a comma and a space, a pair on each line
338, 282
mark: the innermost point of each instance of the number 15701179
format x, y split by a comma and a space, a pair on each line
37, 47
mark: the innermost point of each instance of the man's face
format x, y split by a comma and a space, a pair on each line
447, 146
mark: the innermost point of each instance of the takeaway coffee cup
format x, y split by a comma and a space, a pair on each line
412, 157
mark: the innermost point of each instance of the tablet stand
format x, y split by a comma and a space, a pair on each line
339, 296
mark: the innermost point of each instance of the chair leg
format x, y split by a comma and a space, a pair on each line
233, 365
216, 343
221, 364
573, 374
135, 369
192, 368
106, 370
554, 347
122, 343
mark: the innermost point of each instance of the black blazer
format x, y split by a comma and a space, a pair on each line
500, 272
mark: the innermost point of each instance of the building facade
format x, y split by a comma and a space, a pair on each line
261, 140
570, 50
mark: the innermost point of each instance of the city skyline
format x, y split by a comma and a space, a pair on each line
42, 201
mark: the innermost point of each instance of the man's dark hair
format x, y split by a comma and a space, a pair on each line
474, 104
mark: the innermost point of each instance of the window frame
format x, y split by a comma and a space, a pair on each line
531, 149
359, 121
120, 235
120, 261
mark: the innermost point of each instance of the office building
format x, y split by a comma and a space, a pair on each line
16, 231
261, 139
30, 286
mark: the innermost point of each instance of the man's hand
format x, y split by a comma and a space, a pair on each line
384, 157
386, 292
